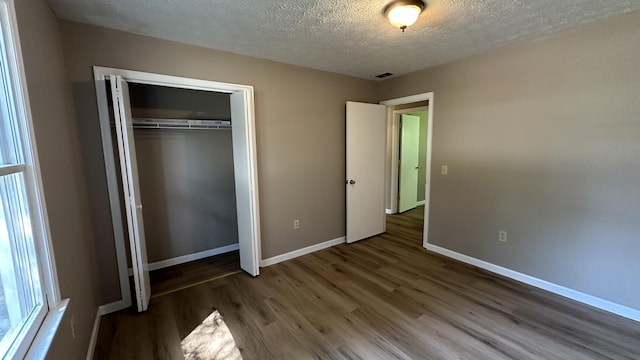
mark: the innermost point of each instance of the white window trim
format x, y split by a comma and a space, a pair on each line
38, 340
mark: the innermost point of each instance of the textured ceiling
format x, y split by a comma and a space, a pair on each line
347, 37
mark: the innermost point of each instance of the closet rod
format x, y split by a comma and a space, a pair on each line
157, 123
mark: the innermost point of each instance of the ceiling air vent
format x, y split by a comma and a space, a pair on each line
384, 75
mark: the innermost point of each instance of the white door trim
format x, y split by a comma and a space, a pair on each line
390, 146
100, 74
409, 99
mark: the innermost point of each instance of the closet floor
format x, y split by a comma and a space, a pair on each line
178, 277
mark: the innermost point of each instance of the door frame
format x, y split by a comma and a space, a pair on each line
100, 75
393, 151
395, 155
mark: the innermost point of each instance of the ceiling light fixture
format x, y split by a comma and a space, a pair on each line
403, 13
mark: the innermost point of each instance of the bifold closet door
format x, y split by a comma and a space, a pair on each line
131, 189
246, 208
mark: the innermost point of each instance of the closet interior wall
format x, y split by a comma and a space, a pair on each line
186, 175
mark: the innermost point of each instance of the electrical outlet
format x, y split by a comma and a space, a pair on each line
444, 170
502, 235
74, 331
296, 224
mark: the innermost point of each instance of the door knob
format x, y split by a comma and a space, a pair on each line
351, 182
417, 167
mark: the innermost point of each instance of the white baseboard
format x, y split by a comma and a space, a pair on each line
606, 305
94, 334
103, 310
114, 306
300, 252
390, 212
190, 257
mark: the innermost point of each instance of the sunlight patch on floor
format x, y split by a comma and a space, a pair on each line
211, 340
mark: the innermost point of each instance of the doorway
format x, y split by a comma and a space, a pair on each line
244, 165
413, 104
412, 152
368, 196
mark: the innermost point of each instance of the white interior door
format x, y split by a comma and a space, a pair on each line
244, 176
365, 158
409, 162
131, 188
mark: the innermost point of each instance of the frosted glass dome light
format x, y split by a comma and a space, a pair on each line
403, 13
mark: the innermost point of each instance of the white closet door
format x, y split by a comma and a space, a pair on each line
245, 176
131, 188
365, 147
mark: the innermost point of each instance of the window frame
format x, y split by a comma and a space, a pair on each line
34, 341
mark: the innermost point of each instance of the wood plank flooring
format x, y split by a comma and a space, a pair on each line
381, 298
167, 280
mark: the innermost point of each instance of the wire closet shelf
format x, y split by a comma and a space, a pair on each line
156, 123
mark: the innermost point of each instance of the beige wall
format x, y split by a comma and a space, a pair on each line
165, 102
299, 127
186, 176
64, 184
188, 191
542, 140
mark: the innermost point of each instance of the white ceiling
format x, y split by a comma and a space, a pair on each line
344, 36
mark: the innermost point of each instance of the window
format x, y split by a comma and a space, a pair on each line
28, 287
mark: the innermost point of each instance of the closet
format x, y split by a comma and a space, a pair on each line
181, 171
185, 168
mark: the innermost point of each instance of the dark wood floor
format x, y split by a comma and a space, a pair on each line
381, 298
167, 280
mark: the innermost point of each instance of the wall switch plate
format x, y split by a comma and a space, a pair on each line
296, 224
444, 170
502, 235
